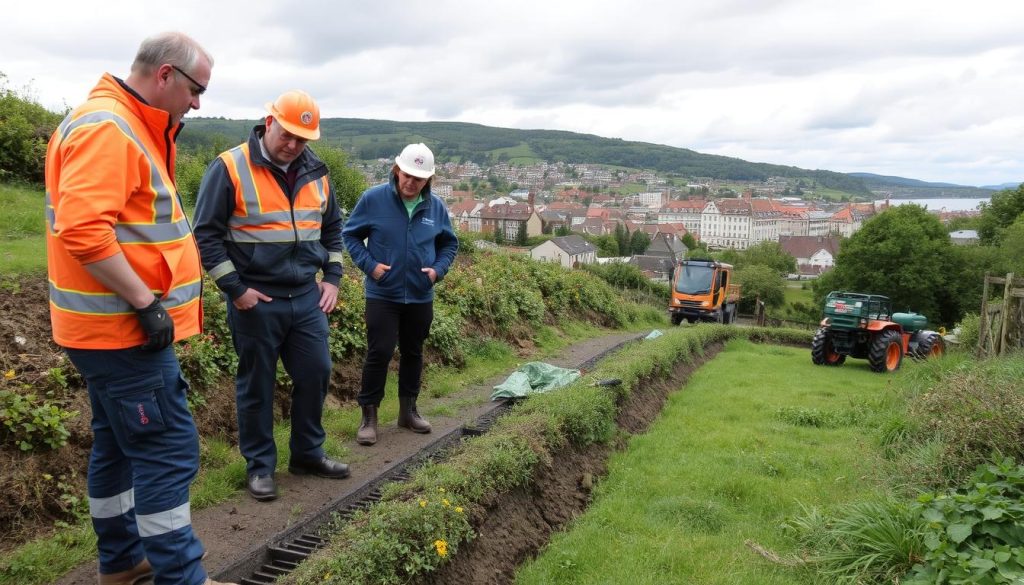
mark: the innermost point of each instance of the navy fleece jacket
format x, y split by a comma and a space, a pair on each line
426, 240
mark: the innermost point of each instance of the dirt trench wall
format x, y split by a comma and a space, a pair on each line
519, 524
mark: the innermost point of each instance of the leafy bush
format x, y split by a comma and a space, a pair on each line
29, 423
446, 336
25, 129
975, 535
977, 409
970, 332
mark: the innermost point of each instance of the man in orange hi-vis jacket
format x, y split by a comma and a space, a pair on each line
125, 284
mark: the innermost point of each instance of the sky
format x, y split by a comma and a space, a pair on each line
928, 90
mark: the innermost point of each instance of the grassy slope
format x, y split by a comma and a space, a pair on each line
718, 468
22, 243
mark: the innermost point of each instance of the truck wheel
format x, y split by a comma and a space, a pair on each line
886, 352
822, 352
677, 319
931, 346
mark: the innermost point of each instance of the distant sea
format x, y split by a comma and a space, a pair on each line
965, 204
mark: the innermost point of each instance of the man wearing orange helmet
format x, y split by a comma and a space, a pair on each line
267, 222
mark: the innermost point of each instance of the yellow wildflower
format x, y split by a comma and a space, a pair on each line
9, 374
423, 503
442, 548
440, 489
458, 509
446, 502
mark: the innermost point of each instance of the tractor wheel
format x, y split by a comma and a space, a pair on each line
677, 319
886, 352
822, 352
931, 346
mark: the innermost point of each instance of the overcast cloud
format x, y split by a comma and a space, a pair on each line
923, 89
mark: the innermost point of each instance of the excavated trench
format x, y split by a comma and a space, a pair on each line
514, 526
255, 543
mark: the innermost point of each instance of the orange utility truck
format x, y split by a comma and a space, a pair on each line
702, 290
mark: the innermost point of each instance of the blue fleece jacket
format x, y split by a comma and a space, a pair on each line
381, 231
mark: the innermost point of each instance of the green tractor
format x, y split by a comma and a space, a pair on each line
864, 326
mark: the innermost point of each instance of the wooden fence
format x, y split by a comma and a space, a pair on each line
1002, 318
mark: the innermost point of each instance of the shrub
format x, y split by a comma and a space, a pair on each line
29, 423
975, 535
970, 332
974, 411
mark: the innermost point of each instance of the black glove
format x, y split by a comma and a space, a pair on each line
157, 324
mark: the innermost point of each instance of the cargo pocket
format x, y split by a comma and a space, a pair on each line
136, 402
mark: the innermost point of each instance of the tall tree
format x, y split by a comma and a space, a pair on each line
1004, 209
521, 234
760, 282
622, 239
639, 242
905, 254
769, 254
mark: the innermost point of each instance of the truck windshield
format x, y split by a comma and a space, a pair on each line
694, 280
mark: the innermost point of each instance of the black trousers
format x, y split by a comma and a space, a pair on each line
386, 324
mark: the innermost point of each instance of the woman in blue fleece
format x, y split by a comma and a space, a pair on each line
400, 236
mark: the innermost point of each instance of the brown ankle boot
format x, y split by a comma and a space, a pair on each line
367, 433
409, 418
129, 577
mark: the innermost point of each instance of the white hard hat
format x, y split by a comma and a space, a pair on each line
416, 160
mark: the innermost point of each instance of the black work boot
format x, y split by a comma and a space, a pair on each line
367, 433
409, 418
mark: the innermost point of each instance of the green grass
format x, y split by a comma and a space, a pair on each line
720, 467
22, 230
795, 294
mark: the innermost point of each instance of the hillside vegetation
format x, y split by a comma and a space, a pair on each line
458, 141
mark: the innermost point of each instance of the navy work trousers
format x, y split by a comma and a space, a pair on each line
145, 453
386, 323
294, 330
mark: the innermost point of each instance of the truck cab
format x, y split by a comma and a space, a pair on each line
702, 290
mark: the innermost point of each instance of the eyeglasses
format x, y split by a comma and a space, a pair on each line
196, 92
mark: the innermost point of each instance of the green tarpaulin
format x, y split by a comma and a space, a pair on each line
534, 378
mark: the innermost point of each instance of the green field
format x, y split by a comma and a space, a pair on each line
22, 229
720, 471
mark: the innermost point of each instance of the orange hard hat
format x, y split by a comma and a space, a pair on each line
296, 111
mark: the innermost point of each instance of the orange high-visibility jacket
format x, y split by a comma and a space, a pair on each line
262, 215
110, 188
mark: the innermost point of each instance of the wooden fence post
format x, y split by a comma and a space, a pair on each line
983, 320
1007, 298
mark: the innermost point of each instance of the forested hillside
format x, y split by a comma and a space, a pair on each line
372, 139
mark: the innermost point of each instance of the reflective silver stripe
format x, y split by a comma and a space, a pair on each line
224, 268
111, 304
271, 236
162, 228
334, 257
274, 217
260, 219
152, 233
51, 216
163, 522
320, 189
113, 506
250, 196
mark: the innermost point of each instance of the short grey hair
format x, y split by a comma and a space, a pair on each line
173, 48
